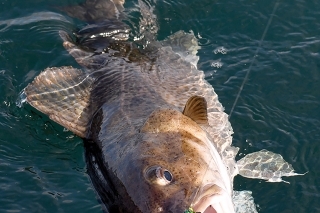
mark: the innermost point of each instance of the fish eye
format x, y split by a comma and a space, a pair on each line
158, 175
167, 175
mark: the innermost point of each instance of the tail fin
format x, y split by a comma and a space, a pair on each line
96, 10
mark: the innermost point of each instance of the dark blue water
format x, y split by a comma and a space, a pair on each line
42, 166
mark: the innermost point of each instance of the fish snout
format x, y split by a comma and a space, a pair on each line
213, 199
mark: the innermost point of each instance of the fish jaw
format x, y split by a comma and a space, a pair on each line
218, 203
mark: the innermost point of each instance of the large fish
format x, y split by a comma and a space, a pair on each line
155, 134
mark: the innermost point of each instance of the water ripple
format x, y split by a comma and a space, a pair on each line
32, 19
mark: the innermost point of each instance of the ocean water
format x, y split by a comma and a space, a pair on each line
268, 50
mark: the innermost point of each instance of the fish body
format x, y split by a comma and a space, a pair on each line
156, 136
140, 124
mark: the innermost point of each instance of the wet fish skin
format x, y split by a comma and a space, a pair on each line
134, 127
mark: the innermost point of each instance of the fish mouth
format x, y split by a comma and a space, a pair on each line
213, 199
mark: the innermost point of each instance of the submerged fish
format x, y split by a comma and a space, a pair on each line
155, 134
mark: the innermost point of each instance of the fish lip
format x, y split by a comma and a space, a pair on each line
205, 192
213, 199
203, 204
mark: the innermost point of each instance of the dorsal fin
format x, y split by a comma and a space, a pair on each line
196, 109
64, 95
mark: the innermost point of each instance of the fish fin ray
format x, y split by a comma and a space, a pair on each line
196, 109
265, 165
64, 95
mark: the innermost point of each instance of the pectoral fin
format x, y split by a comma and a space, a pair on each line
64, 95
196, 109
265, 165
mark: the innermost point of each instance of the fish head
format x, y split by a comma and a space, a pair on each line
178, 169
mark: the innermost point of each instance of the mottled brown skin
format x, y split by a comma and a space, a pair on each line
168, 135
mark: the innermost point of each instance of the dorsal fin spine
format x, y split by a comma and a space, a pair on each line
196, 109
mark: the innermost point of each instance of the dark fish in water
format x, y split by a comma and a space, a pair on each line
155, 134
